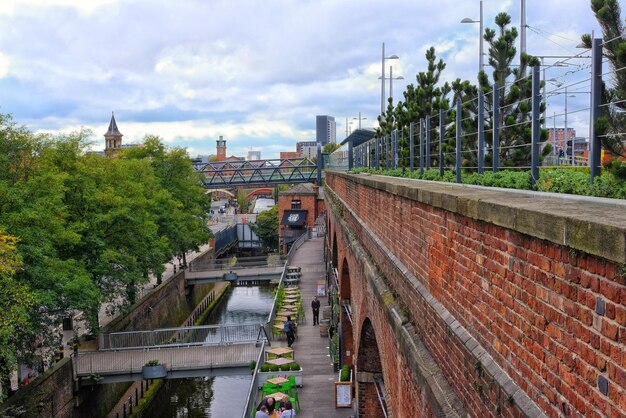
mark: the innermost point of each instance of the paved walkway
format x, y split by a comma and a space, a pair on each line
317, 398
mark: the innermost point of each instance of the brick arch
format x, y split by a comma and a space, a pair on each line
345, 296
335, 252
368, 368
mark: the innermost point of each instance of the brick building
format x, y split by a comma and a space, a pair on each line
298, 208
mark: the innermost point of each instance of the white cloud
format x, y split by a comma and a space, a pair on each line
191, 70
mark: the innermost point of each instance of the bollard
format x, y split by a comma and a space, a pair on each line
136, 396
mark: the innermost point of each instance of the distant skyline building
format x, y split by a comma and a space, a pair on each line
307, 149
253, 155
325, 129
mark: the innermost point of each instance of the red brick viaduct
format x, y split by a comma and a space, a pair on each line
469, 301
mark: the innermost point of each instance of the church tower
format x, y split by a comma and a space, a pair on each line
113, 138
221, 149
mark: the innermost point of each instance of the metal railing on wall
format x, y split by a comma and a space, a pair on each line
491, 131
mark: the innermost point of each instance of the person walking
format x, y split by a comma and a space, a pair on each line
315, 305
289, 330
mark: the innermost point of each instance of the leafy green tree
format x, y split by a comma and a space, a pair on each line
612, 120
185, 219
32, 209
16, 302
266, 227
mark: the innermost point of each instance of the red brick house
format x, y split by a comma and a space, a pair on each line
298, 208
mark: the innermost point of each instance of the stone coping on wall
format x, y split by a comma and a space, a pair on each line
593, 225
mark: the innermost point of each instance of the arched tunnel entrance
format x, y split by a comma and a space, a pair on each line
347, 339
370, 385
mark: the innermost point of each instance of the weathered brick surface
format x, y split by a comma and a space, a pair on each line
530, 302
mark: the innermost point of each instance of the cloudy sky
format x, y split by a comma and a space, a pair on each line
256, 72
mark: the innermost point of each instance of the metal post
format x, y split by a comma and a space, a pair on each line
441, 135
377, 154
421, 147
427, 142
535, 125
320, 164
595, 148
350, 156
388, 151
382, 84
458, 141
495, 152
394, 148
481, 132
411, 145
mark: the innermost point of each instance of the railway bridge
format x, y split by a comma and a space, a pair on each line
468, 301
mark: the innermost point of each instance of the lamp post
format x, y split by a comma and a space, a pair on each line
480, 35
382, 83
359, 119
391, 78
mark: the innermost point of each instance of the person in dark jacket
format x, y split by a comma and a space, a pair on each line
315, 305
289, 331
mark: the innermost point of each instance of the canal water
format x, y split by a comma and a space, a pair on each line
223, 396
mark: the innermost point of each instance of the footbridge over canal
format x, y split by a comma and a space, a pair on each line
181, 352
242, 270
472, 301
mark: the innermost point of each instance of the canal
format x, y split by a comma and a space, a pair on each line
223, 396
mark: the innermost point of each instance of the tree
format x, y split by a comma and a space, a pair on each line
612, 120
515, 105
184, 220
16, 302
424, 98
266, 227
330, 148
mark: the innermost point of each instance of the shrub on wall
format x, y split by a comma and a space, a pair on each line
566, 180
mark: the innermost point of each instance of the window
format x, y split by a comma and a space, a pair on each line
296, 204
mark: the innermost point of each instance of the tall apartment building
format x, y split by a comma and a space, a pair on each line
307, 149
325, 129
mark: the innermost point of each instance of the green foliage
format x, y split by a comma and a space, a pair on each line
330, 148
294, 367
610, 124
571, 180
252, 364
153, 362
89, 229
515, 91
266, 227
285, 367
344, 375
564, 181
265, 367
273, 368
507, 178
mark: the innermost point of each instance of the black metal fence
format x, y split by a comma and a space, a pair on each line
484, 133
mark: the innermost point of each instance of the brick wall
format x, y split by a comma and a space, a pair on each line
530, 286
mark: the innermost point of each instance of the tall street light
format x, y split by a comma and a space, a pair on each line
480, 35
382, 84
359, 119
391, 78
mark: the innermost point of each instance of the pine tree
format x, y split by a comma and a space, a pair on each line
515, 94
612, 121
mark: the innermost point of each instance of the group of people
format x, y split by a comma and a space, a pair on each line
270, 408
289, 327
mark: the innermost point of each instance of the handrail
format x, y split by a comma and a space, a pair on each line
180, 336
254, 387
294, 247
